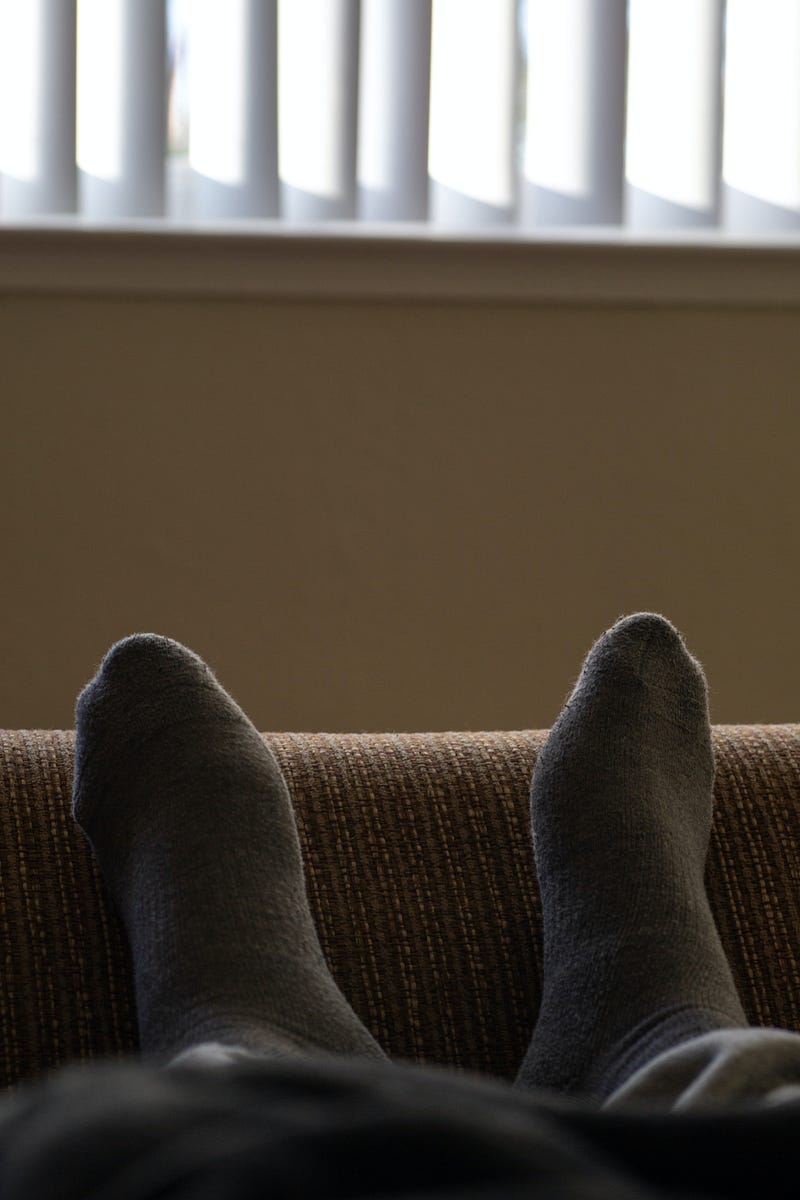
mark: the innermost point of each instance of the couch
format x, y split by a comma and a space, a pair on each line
420, 873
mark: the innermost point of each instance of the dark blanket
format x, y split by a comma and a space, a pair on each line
340, 1128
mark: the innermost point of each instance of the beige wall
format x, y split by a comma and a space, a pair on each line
395, 516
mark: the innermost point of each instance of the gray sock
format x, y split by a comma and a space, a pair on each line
621, 806
192, 824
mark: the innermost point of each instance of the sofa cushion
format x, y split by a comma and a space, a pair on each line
420, 873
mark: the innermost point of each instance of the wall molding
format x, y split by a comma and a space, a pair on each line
401, 263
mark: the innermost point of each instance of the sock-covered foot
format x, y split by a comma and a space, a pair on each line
192, 824
621, 806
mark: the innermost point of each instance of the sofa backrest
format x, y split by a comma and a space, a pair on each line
420, 874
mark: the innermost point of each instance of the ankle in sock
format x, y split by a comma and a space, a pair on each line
191, 821
621, 807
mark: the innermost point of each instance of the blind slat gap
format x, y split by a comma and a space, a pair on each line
473, 79
37, 107
233, 108
121, 107
674, 113
394, 97
761, 154
575, 112
317, 108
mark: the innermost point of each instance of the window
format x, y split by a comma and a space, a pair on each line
510, 115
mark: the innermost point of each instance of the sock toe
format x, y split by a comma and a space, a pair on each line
649, 641
142, 657
649, 647
145, 684
647, 625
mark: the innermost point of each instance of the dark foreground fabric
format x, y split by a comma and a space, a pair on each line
344, 1128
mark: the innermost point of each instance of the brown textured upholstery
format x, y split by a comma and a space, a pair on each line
421, 878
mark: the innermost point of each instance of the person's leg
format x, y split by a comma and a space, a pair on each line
192, 824
163, 823
621, 806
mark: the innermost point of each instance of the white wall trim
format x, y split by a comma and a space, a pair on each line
409, 262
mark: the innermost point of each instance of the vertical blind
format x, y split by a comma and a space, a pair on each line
464, 114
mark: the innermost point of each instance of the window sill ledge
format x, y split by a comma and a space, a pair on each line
410, 263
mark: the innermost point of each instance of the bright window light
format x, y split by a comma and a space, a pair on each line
558, 152
762, 100
218, 89
21, 86
673, 100
100, 87
472, 98
313, 96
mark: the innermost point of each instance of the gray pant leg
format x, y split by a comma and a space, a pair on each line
217, 1054
723, 1069
729, 1067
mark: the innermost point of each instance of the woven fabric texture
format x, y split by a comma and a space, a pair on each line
420, 873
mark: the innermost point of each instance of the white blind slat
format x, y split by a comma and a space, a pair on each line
233, 108
394, 95
317, 104
473, 80
761, 155
575, 112
674, 113
37, 107
121, 132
